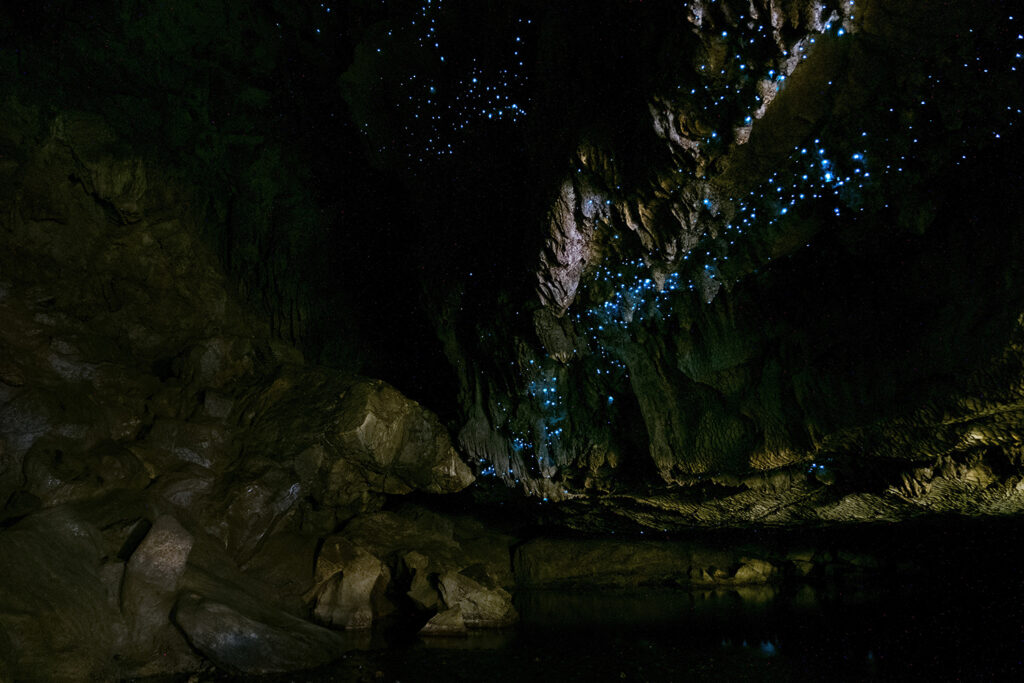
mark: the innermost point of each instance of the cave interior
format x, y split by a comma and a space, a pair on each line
330, 332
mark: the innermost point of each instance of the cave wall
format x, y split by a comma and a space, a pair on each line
659, 266
172, 474
780, 255
669, 252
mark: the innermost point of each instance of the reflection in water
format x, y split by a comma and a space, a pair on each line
474, 640
548, 608
835, 631
966, 628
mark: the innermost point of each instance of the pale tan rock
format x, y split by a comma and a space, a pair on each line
349, 583
152, 579
481, 607
754, 571
446, 623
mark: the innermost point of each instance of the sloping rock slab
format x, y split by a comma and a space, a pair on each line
446, 623
240, 644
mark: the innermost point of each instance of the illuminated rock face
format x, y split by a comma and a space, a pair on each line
767, 287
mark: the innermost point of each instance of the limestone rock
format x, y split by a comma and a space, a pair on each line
240, 643
447, 543
403, 445
548, 562
285, 563
595, 563
567, 248
215, 362
151, 581
184, 488
754, 571
446, 623
173, 442
350, 584
58, 471
54, 600
422, 590
349, 440
410, 550
480, 606
246, 507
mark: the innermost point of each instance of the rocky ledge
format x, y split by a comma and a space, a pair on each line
175, 487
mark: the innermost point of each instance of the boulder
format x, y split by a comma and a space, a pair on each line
239, 642
152, 578
350, 585
394, 444
58, 620
446, 623
403, 445
182, 489
422, 591
443, 542
480, 606
248, 506
754, 571
172, 442
437, 561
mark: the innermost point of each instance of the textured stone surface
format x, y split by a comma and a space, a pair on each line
55, 600
349, 581
152, 578
607, 563
689, 347
479, 606
437, 561
433, 542
239, 643
446, 623
154, 439
285, 563
630, 345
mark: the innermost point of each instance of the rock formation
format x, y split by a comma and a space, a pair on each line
763, 311
313, 322
166, 467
